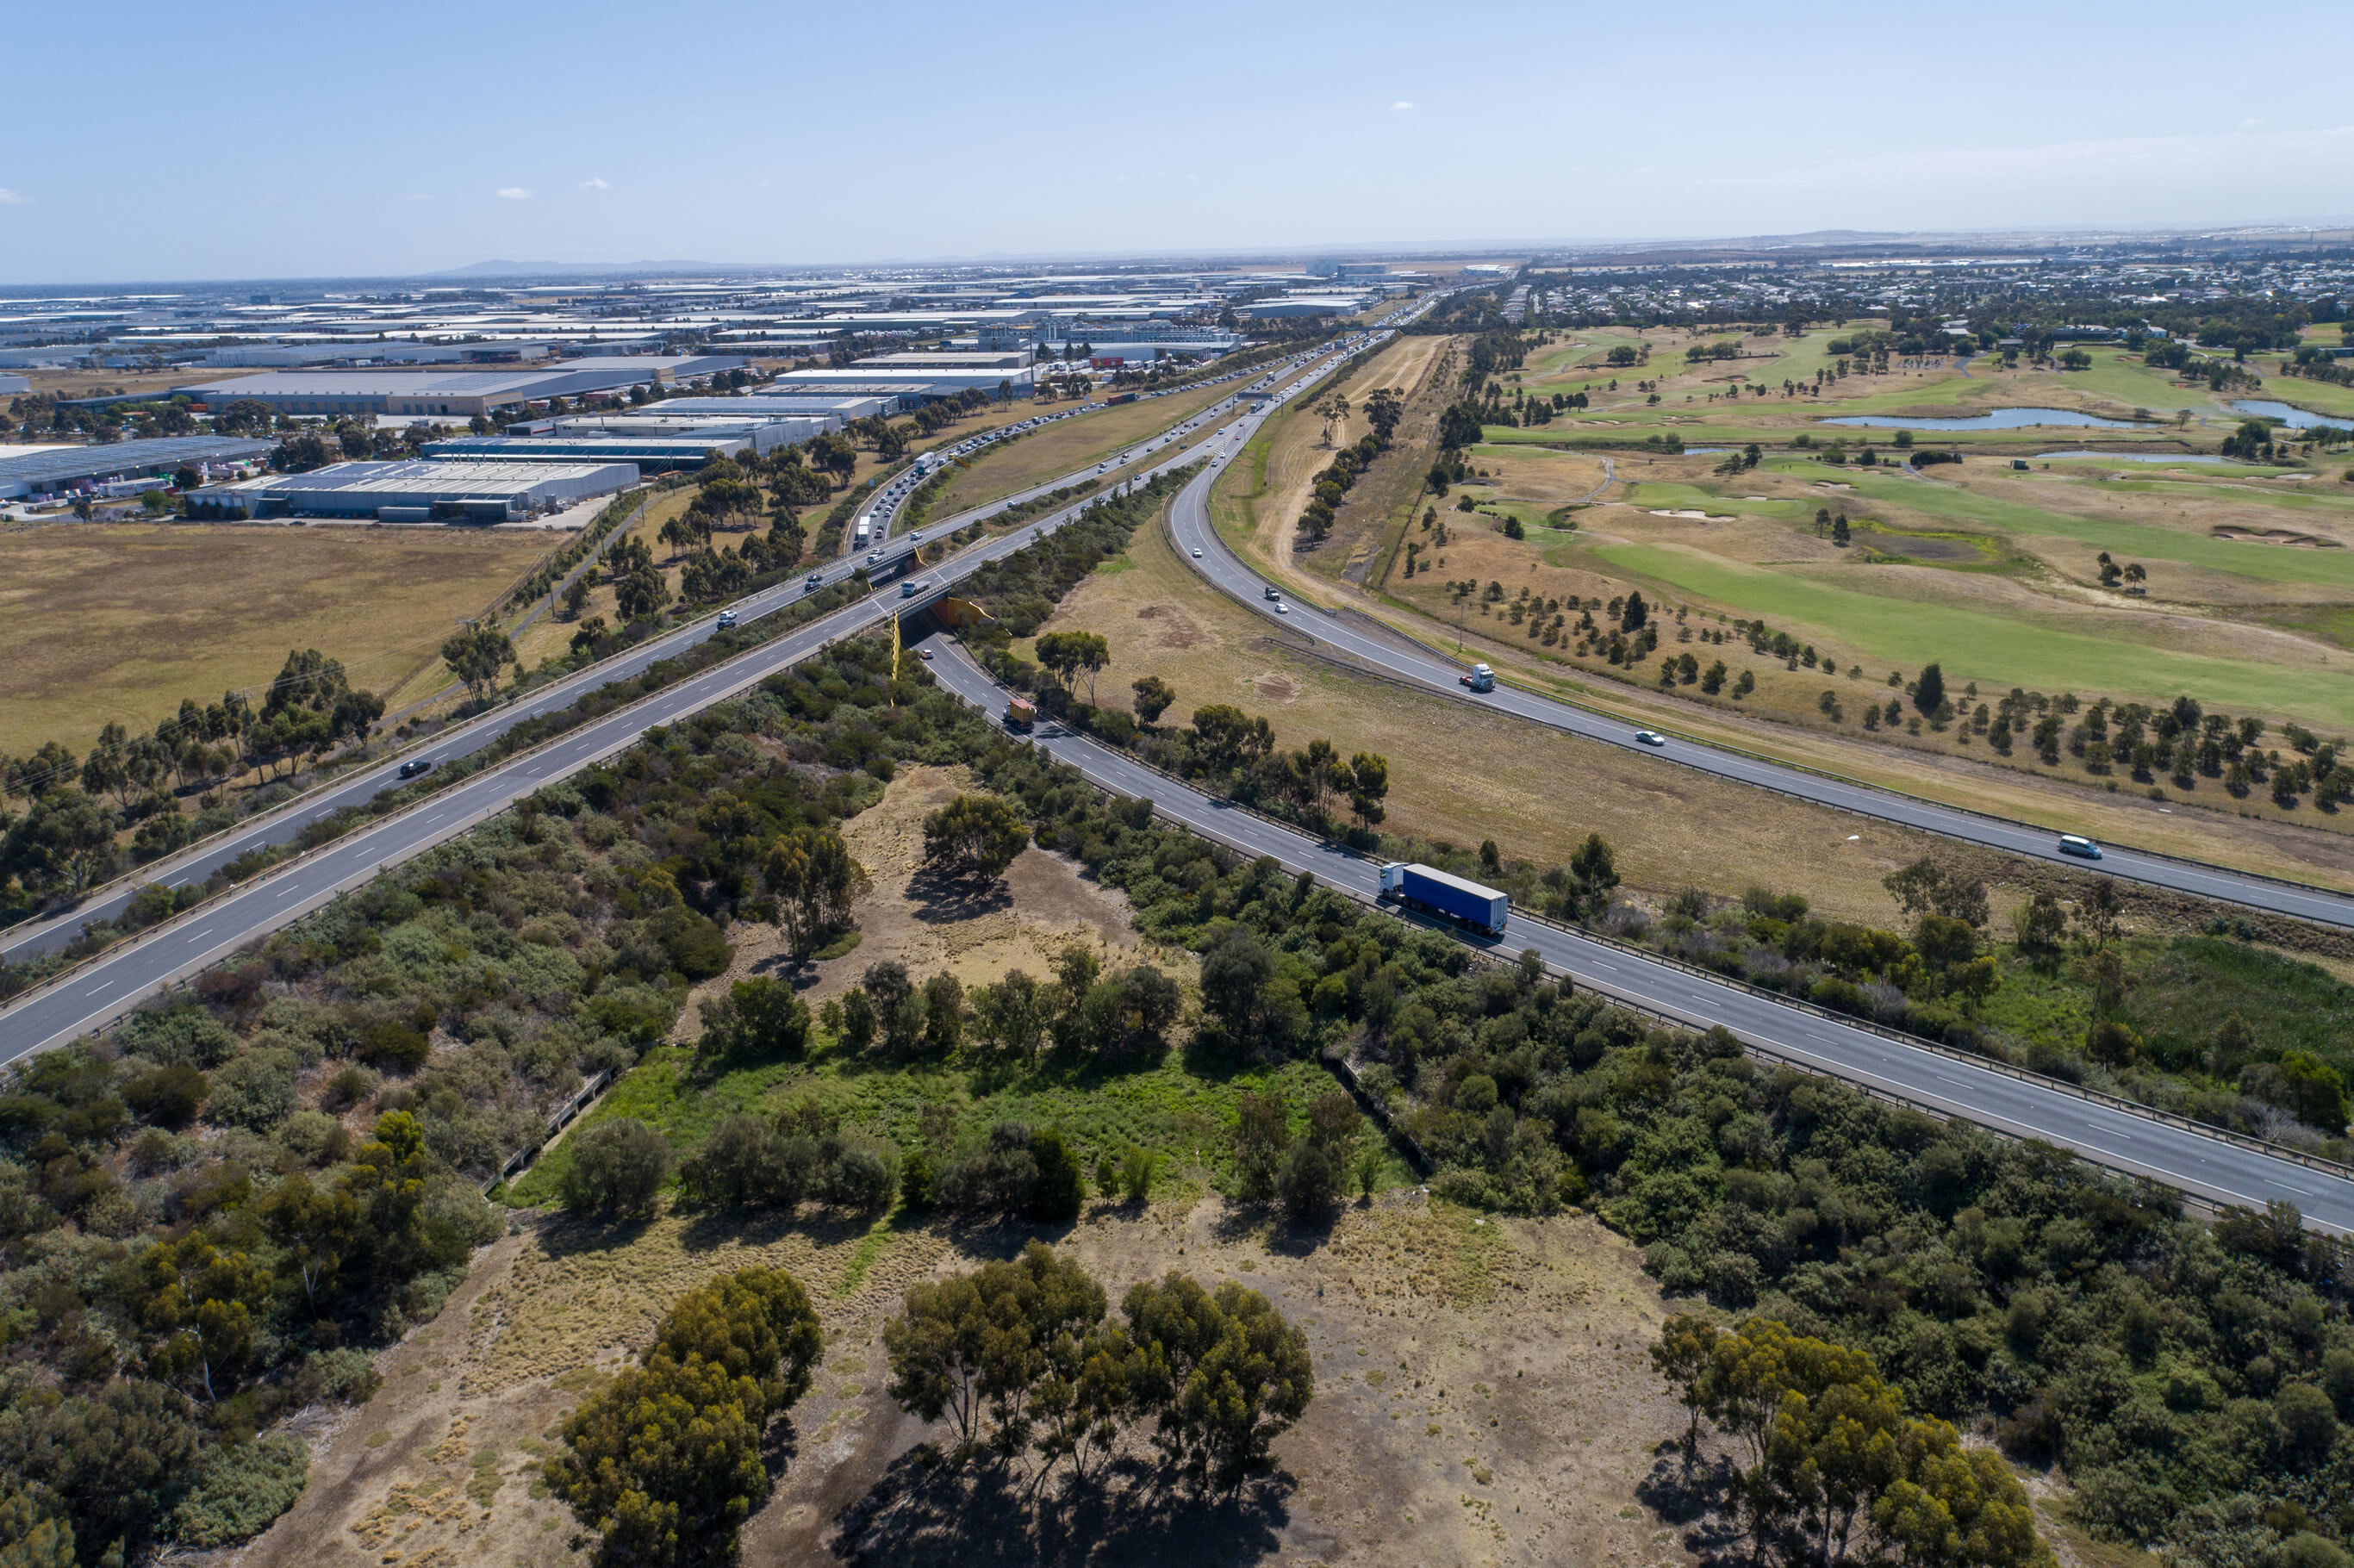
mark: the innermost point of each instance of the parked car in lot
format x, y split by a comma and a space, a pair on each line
415, 766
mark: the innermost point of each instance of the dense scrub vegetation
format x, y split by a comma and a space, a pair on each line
205, 1214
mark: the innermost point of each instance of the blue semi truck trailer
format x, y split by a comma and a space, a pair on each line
1435, 891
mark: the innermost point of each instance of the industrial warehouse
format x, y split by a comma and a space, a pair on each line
414, 490
451, 394
117, 468
652, 440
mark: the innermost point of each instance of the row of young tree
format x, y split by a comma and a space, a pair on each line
67, 837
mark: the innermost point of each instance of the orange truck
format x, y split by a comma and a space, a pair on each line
1021, 713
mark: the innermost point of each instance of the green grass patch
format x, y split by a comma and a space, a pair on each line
2186, 990
2136, 541
1181, 1110
2179, 991
1984, 646
841, 946
871, 1247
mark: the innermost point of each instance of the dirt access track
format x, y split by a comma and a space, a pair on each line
1484, 1392
1484, 1395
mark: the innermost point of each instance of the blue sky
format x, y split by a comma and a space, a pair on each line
263, 141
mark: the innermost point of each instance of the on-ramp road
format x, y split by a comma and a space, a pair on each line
2207, 1168
1208, 553
100, 990
31, 939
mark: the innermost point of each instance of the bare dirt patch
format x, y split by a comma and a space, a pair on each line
2277, 536
1042, 904
1483, 1396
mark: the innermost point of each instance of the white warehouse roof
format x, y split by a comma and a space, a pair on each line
415, 490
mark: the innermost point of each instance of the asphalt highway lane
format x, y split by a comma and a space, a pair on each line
1399, 657
2207, 1168
194, 866
100, 990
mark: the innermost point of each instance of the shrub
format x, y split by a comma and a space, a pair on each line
348, 1375
184, 1034
349, 1087
395, 1047
998, 1178
166, 1096
618, 1166
313, 1136
1310, 1182
256, 1090
749, 1163
974, 835
862, 1174
241, 1488
1060, 1191
756, 1017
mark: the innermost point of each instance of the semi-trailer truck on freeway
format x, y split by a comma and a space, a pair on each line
1480, 678
1451, 897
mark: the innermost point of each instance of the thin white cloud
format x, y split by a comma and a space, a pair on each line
1402, 103
514, 192
594, 182
14, 199
418, 195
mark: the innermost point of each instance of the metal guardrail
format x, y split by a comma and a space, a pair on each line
1801, 1004
1045, 525
140, 876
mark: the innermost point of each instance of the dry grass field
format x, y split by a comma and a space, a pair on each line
1484, 1392
1069, 446
1458, 773
1382, 499
121, 621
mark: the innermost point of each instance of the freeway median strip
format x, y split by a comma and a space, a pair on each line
746, 669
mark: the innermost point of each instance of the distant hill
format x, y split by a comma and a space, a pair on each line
577, 269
